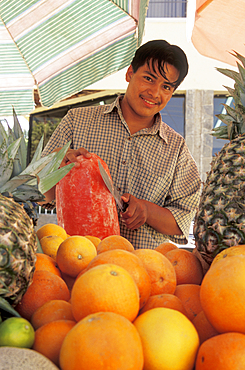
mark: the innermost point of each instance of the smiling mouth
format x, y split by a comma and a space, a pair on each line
149, 102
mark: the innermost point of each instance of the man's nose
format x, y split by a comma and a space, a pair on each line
154, 90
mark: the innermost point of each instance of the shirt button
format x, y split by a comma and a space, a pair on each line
129, 138
124, 162
119, 189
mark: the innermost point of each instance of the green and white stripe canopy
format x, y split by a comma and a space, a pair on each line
62, 46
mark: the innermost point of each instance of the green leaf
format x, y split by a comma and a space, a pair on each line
3, 134
229, 73
38, 152
15, 182
6, 164
35, 167
225, 118
50, 180
242, 72
232, 112
56, 161
13, 148
23, 147
26, 192
5, 306
240, 57
242, 97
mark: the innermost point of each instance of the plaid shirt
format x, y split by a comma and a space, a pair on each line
153, 164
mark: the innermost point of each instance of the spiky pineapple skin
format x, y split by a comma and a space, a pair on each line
18, 245
220, 221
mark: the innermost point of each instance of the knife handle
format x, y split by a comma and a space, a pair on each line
124, 206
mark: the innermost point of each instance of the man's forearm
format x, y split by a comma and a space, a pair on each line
162, 220
49, 196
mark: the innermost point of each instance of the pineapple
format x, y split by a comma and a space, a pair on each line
220, 220
18, 245
20, 186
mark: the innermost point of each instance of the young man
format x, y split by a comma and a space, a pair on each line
149, 162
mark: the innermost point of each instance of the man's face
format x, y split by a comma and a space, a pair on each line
148, 92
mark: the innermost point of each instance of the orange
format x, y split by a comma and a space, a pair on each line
164, 300
222, 294
169, 339
105, 287
165, 247
114, 242
189, 294
132, 264
51, 229
229, 252
222, 352
187, 266
44, 287
160, 270
74, 254
104, 340
44, 262
53, 310
49, 338
69, 280
204, 328
94, 239
50, 245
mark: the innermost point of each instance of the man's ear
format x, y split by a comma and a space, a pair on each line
129, 73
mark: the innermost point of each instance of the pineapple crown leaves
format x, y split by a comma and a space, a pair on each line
234, 117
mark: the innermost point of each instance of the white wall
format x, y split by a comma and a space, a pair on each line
202, 70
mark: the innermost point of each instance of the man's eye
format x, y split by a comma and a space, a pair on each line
148, 78
166, 87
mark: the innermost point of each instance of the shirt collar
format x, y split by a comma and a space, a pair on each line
158, 127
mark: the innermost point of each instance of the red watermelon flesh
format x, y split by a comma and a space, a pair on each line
84, 205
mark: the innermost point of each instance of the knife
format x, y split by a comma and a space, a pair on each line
109, 184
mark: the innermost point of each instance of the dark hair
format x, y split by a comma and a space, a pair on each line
159, 52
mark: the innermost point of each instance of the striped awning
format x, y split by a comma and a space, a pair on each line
62, 46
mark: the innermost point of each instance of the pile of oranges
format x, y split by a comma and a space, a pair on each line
99, 304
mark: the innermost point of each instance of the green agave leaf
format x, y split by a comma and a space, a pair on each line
26, 192
13, 148
50, 180
35, 167
56, 161
6, 164
5, 306
15, 182
23, 147
3, 134
38, 152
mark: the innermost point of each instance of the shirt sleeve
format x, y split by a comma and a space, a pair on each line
184, 194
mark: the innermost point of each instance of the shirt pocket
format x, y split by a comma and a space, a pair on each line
151, 187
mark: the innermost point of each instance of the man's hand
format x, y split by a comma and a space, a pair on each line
72, 154
136, 212
141, 211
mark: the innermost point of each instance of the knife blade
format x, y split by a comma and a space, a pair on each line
109, 184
